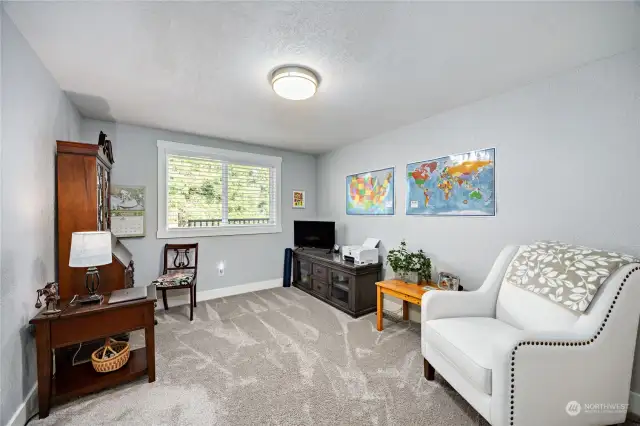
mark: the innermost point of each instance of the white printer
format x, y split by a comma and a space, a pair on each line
365, 254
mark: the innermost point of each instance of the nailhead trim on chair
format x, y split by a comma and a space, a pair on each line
583, 343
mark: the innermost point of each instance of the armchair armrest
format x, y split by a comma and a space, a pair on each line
504, 349
536, 374
479, 303
452, 304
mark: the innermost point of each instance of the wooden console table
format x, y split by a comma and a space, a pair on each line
82, 323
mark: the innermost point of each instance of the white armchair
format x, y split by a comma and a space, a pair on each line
519, 359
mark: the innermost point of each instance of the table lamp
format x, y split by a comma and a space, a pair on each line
89, 250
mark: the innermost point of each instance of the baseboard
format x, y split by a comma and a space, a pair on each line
181, 297
25, 410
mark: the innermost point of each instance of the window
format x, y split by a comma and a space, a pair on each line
206, 191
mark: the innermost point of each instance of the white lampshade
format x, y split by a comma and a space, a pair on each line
90, 249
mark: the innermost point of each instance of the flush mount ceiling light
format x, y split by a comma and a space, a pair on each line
294, 83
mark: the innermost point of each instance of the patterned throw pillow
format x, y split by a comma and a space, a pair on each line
565, 274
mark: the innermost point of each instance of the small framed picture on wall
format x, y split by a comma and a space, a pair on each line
298, 199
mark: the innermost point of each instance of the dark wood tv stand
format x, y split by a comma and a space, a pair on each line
350, 288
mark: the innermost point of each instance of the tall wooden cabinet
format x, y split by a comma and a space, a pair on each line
83, 179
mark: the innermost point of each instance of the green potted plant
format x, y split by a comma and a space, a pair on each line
399, 260
409, 267
421, 265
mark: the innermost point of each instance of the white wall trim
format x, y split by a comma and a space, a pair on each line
25, 410
182, 297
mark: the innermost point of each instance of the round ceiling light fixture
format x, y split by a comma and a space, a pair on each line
294, 83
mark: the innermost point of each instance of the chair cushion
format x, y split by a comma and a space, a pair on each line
467, 343
174, 279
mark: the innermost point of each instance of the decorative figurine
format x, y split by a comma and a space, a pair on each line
50, 293
106, 146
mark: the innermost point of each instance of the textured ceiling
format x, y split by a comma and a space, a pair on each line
203, 67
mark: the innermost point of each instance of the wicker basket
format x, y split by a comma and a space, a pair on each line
110, 357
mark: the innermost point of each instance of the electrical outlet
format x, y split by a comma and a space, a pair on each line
221, 268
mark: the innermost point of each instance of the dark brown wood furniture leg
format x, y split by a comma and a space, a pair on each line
164, 299
191, 303
429, 371
195, 295
405, 310
150, 343
45, 360
380, 298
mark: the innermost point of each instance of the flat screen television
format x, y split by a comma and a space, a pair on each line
314, 234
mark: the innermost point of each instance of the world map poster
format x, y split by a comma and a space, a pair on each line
461, 184
371, 193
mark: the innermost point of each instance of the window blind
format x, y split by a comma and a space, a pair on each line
207, 192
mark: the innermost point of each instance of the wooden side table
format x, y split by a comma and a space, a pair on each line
82, 323
408, 293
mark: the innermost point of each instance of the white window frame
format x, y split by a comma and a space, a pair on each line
166, 148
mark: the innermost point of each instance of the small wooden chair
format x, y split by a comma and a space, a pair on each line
180, 271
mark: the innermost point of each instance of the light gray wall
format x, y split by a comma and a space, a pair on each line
566, 163
248, 258
35, 112
567, 152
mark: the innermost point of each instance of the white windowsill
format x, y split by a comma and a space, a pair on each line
216, 231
